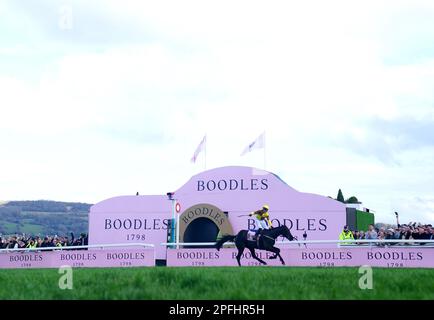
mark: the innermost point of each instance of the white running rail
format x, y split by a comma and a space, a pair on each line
341, 242
100, 246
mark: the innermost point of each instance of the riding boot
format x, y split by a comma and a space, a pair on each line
258, 232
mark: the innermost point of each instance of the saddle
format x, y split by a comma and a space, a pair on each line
251, 236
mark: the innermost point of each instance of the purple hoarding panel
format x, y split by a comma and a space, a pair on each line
79, 258
229, 191
417, 257
130, 219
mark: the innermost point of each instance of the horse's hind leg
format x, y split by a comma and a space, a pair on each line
240, 253
255, 256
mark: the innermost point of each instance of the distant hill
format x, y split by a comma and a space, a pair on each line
43, 217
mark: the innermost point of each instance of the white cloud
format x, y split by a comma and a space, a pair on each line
127, 111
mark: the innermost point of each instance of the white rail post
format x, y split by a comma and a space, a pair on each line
177, 228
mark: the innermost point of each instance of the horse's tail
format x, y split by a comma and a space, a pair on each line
224, 239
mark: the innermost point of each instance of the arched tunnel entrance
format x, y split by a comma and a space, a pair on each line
201, 230
203, 223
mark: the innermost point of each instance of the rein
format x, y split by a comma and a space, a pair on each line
268, 237
275, 232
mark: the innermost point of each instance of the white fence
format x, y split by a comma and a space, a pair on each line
99, 246
346, 243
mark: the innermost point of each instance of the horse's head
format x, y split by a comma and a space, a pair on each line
286, 233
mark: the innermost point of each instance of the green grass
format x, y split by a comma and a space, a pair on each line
9, 227
25, 226
30, 228
217, 283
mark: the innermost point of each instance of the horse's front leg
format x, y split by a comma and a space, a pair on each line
277, 254
252, 251
281, 259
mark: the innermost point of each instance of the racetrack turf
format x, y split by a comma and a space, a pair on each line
217, 283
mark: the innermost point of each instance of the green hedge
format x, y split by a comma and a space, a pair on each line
364, 219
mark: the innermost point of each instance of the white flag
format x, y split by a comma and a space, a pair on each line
259, 143
199, 148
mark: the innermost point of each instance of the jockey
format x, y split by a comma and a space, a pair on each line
262, 219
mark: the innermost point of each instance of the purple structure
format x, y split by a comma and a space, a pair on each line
386, 257
130, 257
212, 203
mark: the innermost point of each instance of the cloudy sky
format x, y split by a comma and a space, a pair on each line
105, 98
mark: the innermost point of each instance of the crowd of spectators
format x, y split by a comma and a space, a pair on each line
34, 242
410, 231
415, 231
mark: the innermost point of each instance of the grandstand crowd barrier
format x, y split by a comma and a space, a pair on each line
375, 253
107, 255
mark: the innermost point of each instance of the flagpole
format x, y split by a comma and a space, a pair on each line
264, 151
206, 142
